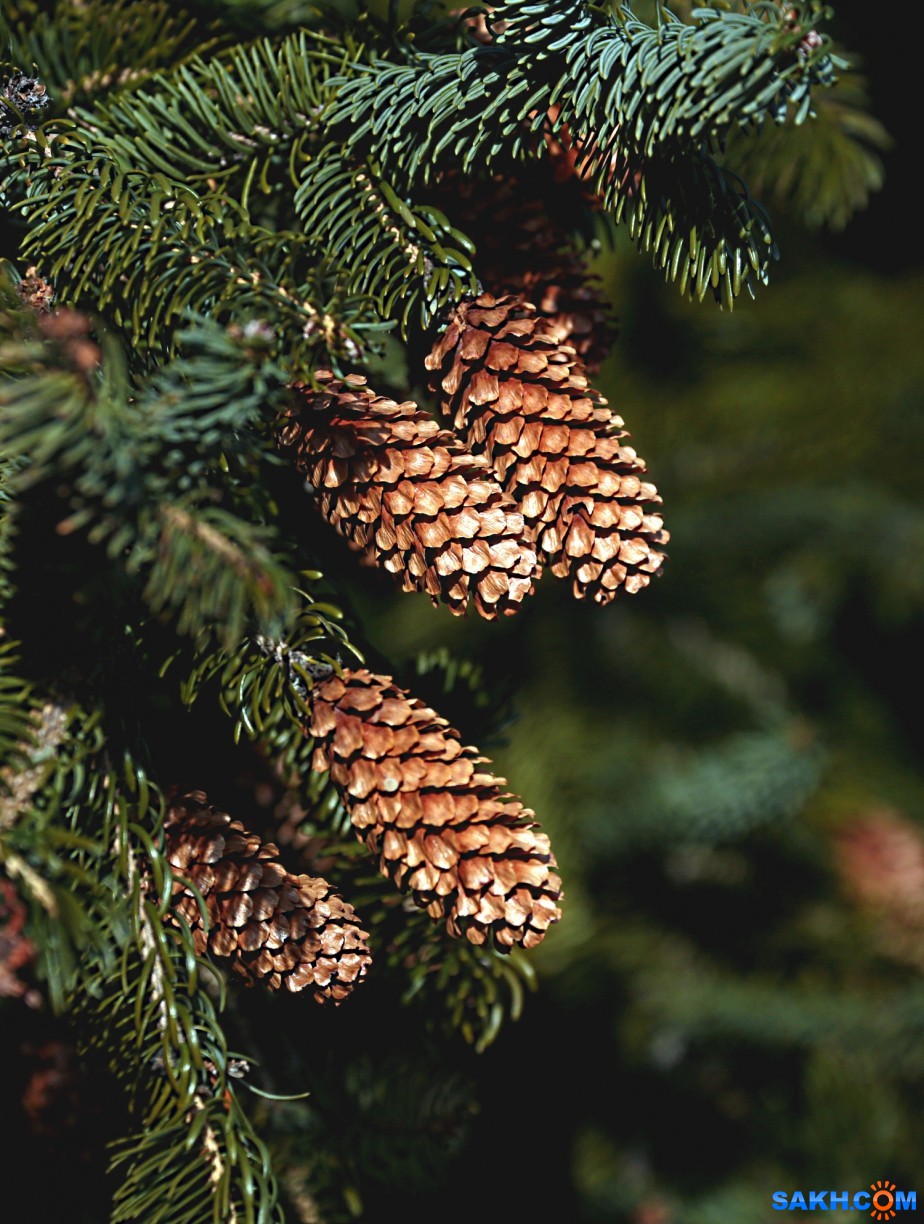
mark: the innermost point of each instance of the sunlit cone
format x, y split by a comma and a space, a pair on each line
441, 826
523, 400
274, 928
410, 497
528, 251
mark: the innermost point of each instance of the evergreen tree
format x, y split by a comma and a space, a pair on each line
292, 290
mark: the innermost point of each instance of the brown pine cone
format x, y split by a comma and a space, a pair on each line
275, 928
36, 292
523, 400
442, 827
408, 496
525, 251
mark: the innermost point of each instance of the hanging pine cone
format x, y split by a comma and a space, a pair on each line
523, 400
22, 100
275, 928
36, 292
528, 250
442, 828
408, 496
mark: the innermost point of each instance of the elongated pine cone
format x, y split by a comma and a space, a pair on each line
443, 829
529, 251
275, 928
523, 400
408, 496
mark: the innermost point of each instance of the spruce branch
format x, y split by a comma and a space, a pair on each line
645, 108
142, 468
155, 1027
824, 171
19, 783
49, 834
244, 121
143, 1010
90, 48
414, 263
129, 984
151, 252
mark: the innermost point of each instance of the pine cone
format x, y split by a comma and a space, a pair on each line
36, 292
409, 497
276, 928
529, 251
22, 100
523, 400
443, 829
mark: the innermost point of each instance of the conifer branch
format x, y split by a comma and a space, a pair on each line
89, 48
141, 466
414, 264
644, 106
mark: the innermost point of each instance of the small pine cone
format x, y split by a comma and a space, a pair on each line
523, 401
22, 100
277, 929
36, 292
443, 829
408, 496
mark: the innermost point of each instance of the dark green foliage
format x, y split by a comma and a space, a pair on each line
89, 49
418, 265
823, 180
138, 462
228, 199
648, 103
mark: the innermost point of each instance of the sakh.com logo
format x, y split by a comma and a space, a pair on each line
882, 1200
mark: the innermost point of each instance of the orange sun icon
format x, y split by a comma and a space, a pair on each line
883, 1200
